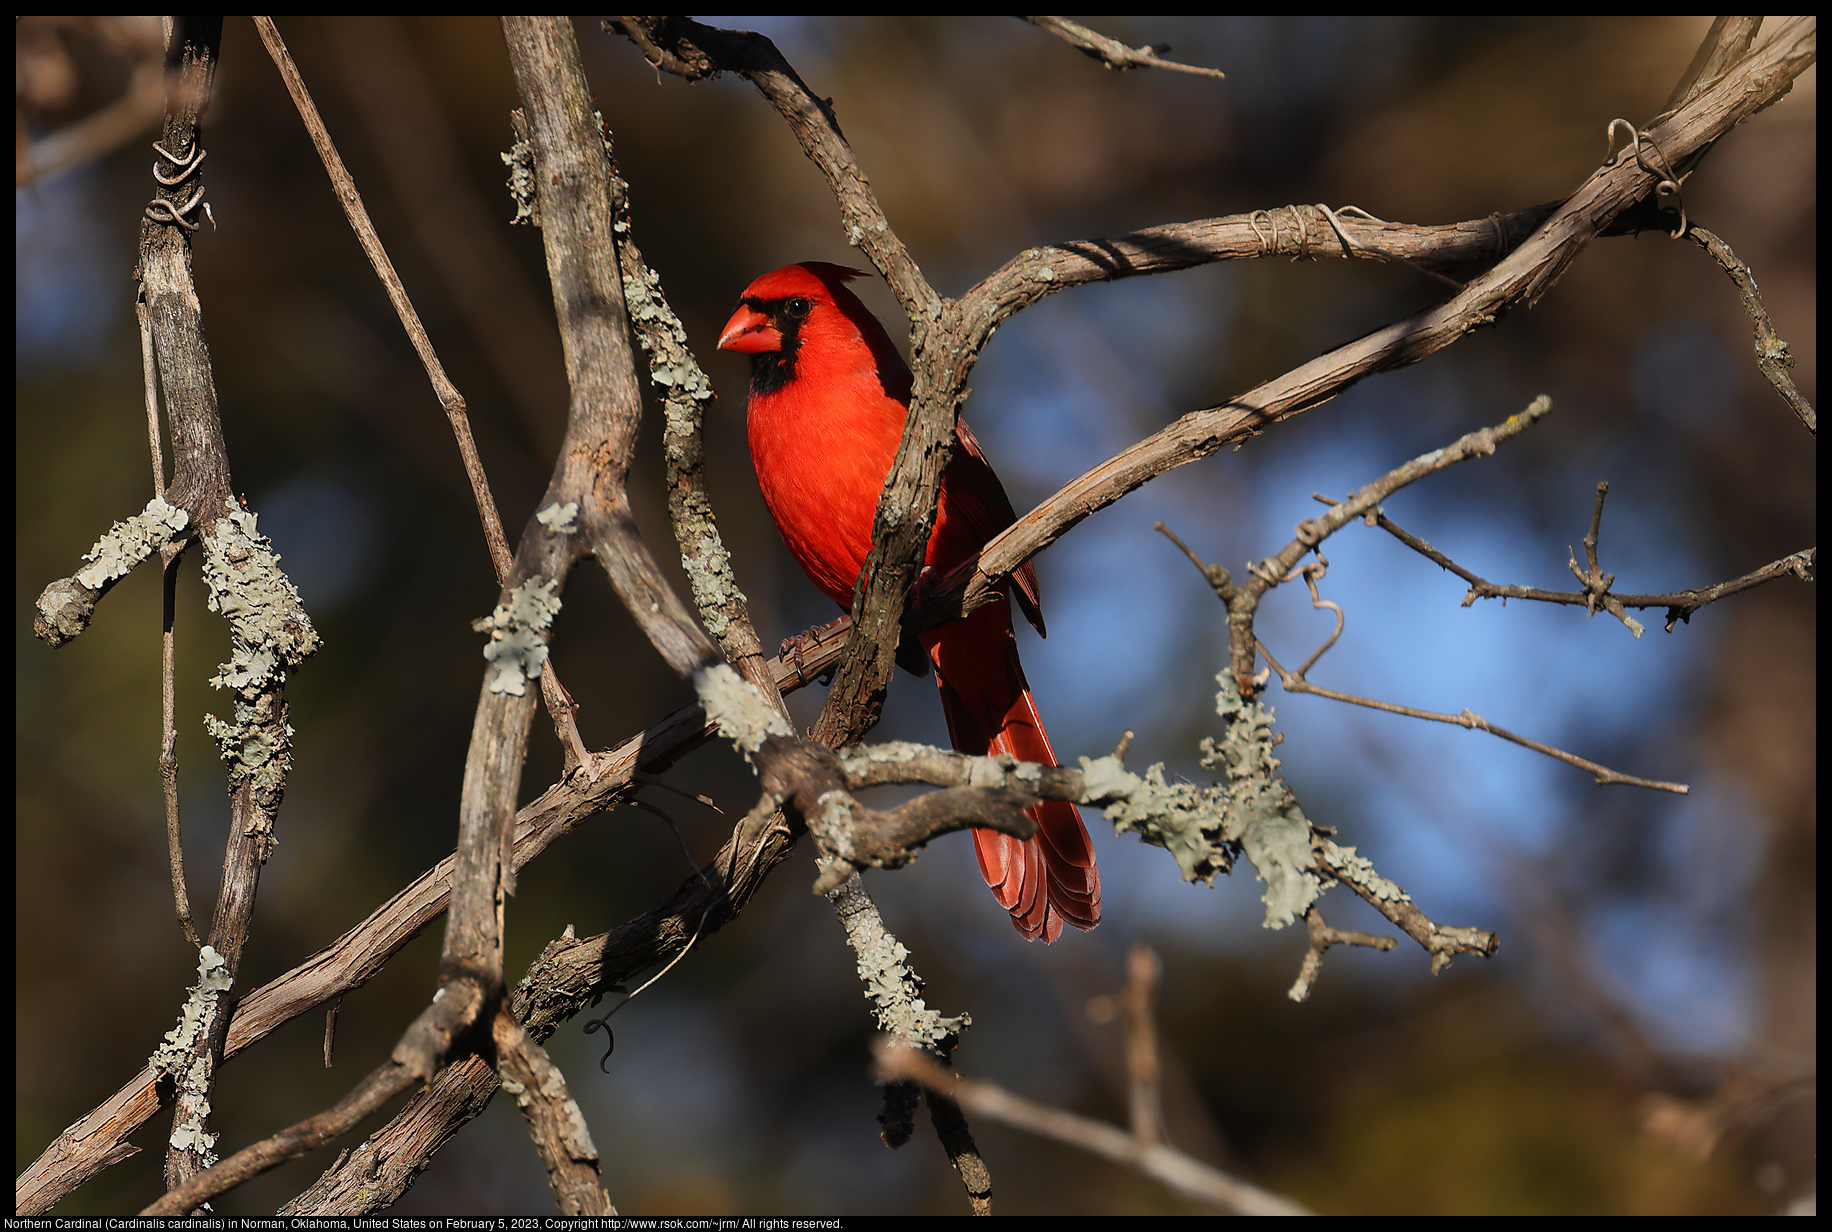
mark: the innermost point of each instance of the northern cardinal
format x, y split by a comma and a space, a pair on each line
829, 395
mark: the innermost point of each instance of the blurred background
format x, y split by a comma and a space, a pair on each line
1643, 1041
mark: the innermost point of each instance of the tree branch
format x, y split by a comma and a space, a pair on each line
1172, 1167
1113, 53
1520, 277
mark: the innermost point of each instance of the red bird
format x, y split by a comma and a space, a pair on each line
829, 395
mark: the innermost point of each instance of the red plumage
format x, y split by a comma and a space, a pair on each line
829, 395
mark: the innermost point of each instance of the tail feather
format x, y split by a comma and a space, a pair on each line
1049, 878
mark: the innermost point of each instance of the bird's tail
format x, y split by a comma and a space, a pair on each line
1050, 877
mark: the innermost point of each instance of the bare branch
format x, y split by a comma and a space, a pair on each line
1442, 942
1279, 568
554, 1120
1113, 53
1596, 582
1772, 355
1242, 601
377, 1089
1605, 777
1520, 277
1322, 937
447, 393
1680, 604
1143, 1073
1187, 1176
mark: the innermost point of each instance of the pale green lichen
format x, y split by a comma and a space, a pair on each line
559, 519
190, 1135
993, 770
1265, 818
252, 750
1186, 820
213, 980
715, 588
857, 761
680, 377
517, 650
892, 988
831, 822
737, 709
1360, 871
270, 632
1252, 810
128, 543
684, 387
520, 161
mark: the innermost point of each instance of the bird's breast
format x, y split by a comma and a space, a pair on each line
821, 467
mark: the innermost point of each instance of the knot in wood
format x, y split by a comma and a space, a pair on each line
799, 772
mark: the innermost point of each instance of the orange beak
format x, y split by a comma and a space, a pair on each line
751, 332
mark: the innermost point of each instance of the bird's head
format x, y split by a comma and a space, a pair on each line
801, 312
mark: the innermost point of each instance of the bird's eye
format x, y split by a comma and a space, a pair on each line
798, 306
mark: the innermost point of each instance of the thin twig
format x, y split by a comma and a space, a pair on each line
1144, 1073
1772, 355
1525, 273
1605, 777
1115, 54
558, 702
1322, 937
168, 650
1680, 604
149, 378
1442, 941
1189, 1177
1596, 582
1283, 565
344, 185
168, 744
